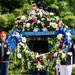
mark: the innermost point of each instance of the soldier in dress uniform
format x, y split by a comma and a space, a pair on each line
4, 54
66, 66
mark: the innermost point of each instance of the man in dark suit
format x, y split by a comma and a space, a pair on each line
4, 54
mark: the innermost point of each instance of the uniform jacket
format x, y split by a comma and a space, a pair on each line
68, 58
3, 52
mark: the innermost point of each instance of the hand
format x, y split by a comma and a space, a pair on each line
8, 52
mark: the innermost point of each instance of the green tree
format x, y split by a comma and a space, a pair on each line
10, 5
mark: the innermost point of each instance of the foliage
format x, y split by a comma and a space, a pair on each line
3, 22
6, 21
26, 8
10, 5
62, 8
17, 12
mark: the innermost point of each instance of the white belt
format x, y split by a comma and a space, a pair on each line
69, 53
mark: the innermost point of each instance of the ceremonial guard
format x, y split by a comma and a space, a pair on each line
66, 66
4, 54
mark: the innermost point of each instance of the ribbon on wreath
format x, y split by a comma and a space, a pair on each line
13, 38
67, 36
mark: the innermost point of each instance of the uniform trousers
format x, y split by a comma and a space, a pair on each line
4, 68
65, 69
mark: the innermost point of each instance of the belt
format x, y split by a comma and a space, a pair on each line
69, 53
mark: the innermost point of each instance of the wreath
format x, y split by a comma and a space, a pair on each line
47, 21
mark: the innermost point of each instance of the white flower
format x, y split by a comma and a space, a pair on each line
38, 21
44, 57
29, 65
23, 18
58, 61
37, 55
57, 18
59, 36
33, 12
18, 49
42, 19
21, 44
60, 51
39, 66
53, 24
51, 13
8, 53
40, 13
33, 56
63, 55
27, 51
18, 46
55, 54
28, 25
23, 39
49, 19
66, 27
57, 44
19, 55
42, 23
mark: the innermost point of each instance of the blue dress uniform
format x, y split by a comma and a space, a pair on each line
4, 58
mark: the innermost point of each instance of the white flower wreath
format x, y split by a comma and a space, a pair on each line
48, 21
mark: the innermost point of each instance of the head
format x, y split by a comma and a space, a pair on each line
3, 35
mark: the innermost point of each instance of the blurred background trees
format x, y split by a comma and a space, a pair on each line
10, 9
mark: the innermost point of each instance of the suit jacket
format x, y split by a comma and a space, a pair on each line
3, 51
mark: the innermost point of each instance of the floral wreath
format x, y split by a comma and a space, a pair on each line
48, 21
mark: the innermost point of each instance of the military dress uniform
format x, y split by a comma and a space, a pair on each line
4, 58
66, 66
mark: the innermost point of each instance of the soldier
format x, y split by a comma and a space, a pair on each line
4, 54
66, 66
